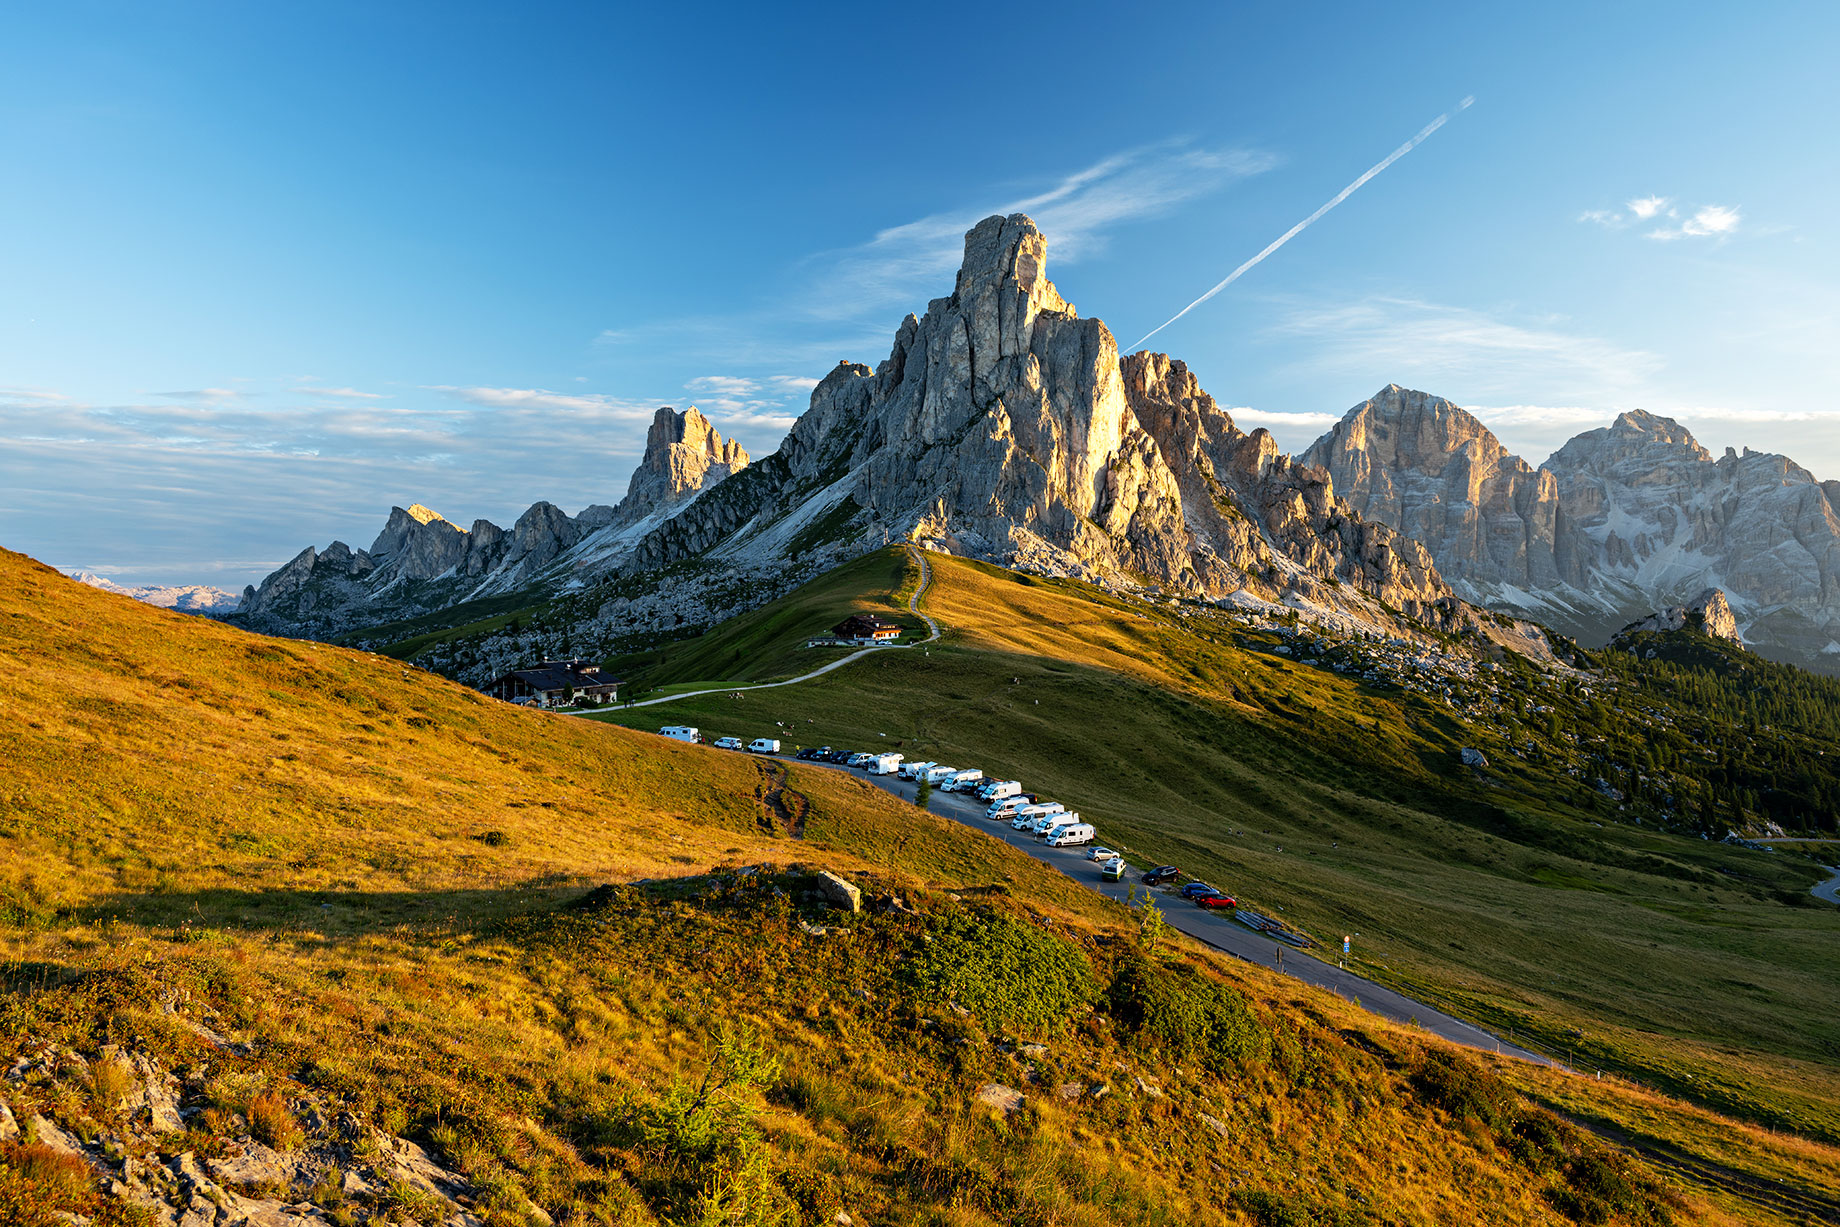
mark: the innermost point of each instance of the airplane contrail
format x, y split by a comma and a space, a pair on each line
1294, 231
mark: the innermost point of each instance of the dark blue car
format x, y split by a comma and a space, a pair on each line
1194, 890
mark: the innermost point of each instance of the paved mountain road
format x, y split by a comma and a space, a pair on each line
1216, 929
913, 605
1828, 890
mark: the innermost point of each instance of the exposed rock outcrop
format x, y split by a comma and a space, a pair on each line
1003, 425
1710, 615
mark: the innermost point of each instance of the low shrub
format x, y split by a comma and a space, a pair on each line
1008, 973
1186, 1015
1463, 1088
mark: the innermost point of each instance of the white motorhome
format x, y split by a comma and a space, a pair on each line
1009, 807
964, 781
1072, 835
936, 775
1024, 819
885, 764
1047, 823
681, 732
996, 790
911, 771
764, 745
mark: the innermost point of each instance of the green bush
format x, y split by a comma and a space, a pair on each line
1006, 972
1186, 1015
1463, 1088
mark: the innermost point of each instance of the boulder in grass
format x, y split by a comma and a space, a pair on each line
839, 893
1005, 1099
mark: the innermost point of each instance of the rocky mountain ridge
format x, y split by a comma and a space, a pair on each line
1004, 426
422, 562
1618, 522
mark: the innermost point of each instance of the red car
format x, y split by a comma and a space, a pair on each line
1216, 901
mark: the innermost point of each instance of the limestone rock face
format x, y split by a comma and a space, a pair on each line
684, 455
1431, 470
1620, 521
421, 562
1003, 425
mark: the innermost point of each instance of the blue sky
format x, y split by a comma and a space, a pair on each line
268, 270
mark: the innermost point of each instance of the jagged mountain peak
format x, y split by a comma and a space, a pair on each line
407, 524
1001, 250
684, 455
1637, 435
1004, 426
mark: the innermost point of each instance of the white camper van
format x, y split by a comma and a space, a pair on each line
1025, 818
964, 781
996, 790
763, 745
681, 732
885, 764
938, 775
913, 771
1072, 835
1047, 824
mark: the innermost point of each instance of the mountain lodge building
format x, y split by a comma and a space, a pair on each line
866, 628
554, 683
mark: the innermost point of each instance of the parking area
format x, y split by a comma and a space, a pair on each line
1217, 929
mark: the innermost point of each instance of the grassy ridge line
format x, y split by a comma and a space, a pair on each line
1345, 805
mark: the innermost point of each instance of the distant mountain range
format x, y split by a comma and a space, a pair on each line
186, 598
1618, 523
1004, 426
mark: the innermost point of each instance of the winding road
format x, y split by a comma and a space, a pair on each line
913, 605
1829, 890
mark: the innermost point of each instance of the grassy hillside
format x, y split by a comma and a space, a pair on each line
582, 967
1514, 895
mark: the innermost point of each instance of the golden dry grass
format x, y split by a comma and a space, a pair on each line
291, 834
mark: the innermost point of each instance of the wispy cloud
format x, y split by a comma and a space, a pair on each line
1710, 221
342, 393
1459, 351
1276, 419
594, 404
722, 385
901, 264
1647, 207
200, 394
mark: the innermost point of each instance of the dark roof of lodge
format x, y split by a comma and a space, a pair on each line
559, 674
868, 622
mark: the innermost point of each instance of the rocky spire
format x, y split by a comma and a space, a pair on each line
684, 455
